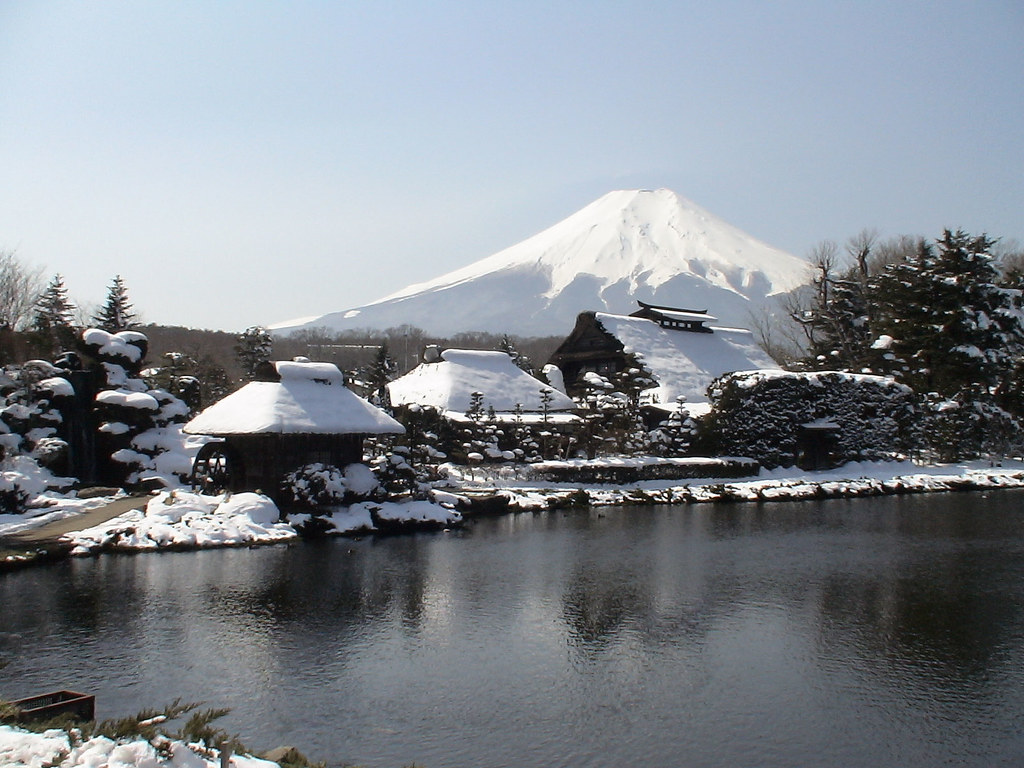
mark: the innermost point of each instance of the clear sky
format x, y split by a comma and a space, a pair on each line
247, 162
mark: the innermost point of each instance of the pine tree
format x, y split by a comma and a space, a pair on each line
380, 373
675, 434
508, 346
475, 412
952, 326
53, 307
116, 314
255, 345
52, 321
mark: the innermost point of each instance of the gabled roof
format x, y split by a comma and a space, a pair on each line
684, 363
448, 384
308, 399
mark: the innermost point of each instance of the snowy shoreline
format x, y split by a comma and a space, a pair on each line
181, 520
853, 480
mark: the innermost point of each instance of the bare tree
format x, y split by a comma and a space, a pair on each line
895, 250
860, 247
778, 334
20, 287
1009, 256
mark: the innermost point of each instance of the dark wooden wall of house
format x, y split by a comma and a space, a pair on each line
266, 459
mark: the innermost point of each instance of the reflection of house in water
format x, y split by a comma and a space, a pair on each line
294, 413
681, 350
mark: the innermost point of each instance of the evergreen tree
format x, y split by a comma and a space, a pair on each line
952, 326
381, 372
674, 435
475, 412
836, 323
53, 318
116, 314
508, 346
53, 307
255, 345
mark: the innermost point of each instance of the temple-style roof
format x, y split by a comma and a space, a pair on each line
299, 398
675, 317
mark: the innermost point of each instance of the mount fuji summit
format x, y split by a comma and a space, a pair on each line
651, 245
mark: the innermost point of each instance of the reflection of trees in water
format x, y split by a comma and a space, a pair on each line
597, 609
952, 617
338, 585
644, 579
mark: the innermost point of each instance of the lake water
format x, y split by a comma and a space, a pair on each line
874, 632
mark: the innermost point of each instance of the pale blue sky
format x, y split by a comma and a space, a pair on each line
249, 162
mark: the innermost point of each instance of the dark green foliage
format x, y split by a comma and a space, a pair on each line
610, 409
52, 323
13, 499
508, 346
674, 435
760, 416
953, 326
379, 374
969, 427
117, 312
475, 412
425, 445
255, 345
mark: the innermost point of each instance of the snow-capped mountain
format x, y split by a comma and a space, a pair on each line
651, 245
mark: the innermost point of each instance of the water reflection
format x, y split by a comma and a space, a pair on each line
866, 632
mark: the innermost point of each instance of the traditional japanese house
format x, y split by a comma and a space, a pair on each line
680, 348
294, 413
448, 380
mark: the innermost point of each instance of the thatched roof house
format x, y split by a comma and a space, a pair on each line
677, 346
450, 380
295, 413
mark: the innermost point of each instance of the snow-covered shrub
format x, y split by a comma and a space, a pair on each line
761, 415
322, 485
968, 428
139, 426
674, 435
423, 447
611, 414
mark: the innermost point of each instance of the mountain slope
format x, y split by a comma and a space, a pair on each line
651, 245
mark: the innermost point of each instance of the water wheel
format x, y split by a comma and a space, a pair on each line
217, 468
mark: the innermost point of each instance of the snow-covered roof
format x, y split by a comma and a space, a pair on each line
677, 314
310, 398
449, 384
684, 362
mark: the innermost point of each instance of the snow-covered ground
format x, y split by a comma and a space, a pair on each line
185, 520
54, 748
853, 479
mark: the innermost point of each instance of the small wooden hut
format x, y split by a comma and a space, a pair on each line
294, 413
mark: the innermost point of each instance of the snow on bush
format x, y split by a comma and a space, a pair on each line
129, 346
140, 427
759, 414
22, 480
322, 485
